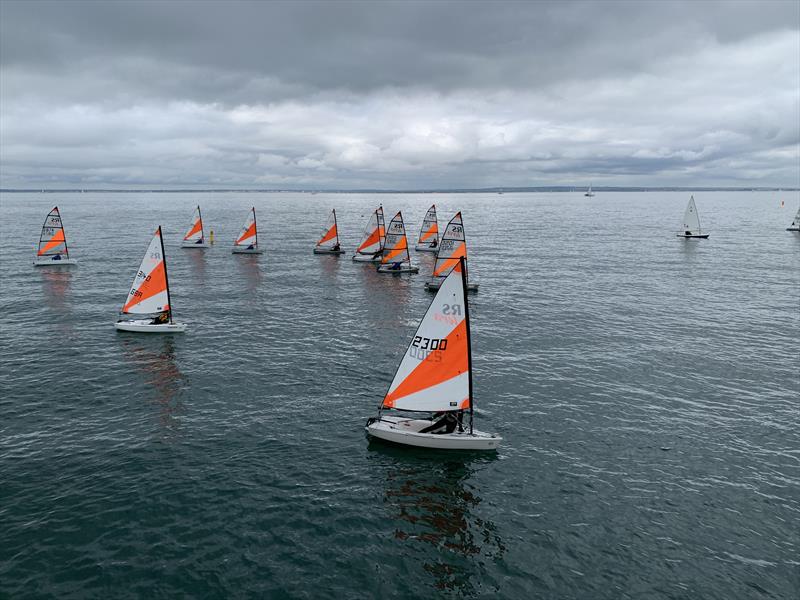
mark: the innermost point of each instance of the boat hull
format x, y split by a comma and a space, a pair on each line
402, 269
405, 432
435, 284
698, 236
247, 251
793, 229
425, 248
324, 251
190, 245
55, 263
366, 258
146, 326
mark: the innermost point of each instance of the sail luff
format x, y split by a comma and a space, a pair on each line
166, 276
202, 230
255, 225
463, 267
52, 223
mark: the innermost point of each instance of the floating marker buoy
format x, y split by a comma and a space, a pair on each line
211, 237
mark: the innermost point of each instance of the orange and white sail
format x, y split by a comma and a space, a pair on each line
52, 240
429, 233
249, 234
195, 234
374, 234
150, 289
452, 247
434, 374
395, 249
330, 234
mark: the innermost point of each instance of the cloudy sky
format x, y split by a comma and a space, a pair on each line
399, 95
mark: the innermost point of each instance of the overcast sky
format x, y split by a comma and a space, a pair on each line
399, 95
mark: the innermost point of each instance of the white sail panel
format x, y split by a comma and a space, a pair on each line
195, 233
452, 247
396, 249
52, 240
382, 226
691, 220
149, 293
248, 236
330, 234
371, 241
796, 222
434, 372
429, 232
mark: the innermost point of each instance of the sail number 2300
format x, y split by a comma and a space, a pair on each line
424, 343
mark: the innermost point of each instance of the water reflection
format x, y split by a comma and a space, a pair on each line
249, 266
432, 503
55, 286
197, 259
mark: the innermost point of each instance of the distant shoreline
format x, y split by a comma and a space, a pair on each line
497, 190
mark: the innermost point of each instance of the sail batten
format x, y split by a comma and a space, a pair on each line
149, 291
195, 233
395, 251
429, 232
52, 239
452, 248
248, 236
374, 234
329, 240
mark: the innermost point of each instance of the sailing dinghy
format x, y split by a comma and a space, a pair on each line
452, 248
195, 237
589, 193
371, 246
149, 294
395, 257
795, 226
435, 375
53, 249
329, 242
429, 233
691, 223
247, 241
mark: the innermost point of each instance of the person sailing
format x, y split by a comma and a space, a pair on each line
161, 318
447, 423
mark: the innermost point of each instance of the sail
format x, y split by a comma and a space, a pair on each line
691, 220
396, 248
249, 234
452, 247
382, 227
330, 235
796, 222
149, 291
52, 240
430, 227
434, 374
195, 235
372, 241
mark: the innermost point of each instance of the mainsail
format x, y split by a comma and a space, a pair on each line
195, 235
796, 223
374, 234
150, 289
435, 373
330, 235
691, 220
396, 248
249, 234
429, 233
52, 240
452, 248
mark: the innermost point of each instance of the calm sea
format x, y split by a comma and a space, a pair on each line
647, 389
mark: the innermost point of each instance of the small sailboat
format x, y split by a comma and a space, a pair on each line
53, 249
429, 232
149, 294
247, 241
329, 242
452, 248
395, 257
589, 193
435, 375
371, 246
196, 236
691, 223
795, 226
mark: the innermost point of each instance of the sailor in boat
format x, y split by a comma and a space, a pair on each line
395, 266
447, 423
161, 318
57, 257
434, 243
251, 247
336, 248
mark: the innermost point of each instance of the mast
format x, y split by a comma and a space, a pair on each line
63, 233
202, 230
336, 225
255, 225
463, 264
166, 278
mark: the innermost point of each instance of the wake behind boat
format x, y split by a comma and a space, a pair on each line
435, 375
329, 242
195, 237
452, 248
247, 241
691, 223
395, 257
149, 294
429, 232
53, 251
795, 226
373, 240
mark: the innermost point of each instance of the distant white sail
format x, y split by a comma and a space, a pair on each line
395, 252
429, 232
374, 234
795, 226
691, 220
195, 234
52, 240
249, 234
330, 234
452, 247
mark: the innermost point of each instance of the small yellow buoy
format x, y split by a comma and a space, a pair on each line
211, 237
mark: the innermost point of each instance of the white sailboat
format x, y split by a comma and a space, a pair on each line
196, 236
247, 240
372, 242
452, 248
691, 223
329, 242
589, 193
795, 226
429, 232
149, 294
435, 375
395, 257
53, 249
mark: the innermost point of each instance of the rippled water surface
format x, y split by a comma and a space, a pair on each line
646, 388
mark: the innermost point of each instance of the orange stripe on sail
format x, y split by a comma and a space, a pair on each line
251, 231
149, 287
328, 236
452, 261
195, 228
402, 245
373, 238
56, 240
434, 229
438, 367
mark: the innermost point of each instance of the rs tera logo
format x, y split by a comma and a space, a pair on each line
451, 309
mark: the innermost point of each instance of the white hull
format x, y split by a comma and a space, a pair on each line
247, 251
589, 195
793, 229
406, 432
426, 248
368, 258
324, 251
402, 269
147, 326
49, 262
435, 284
700, 236
191, 245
